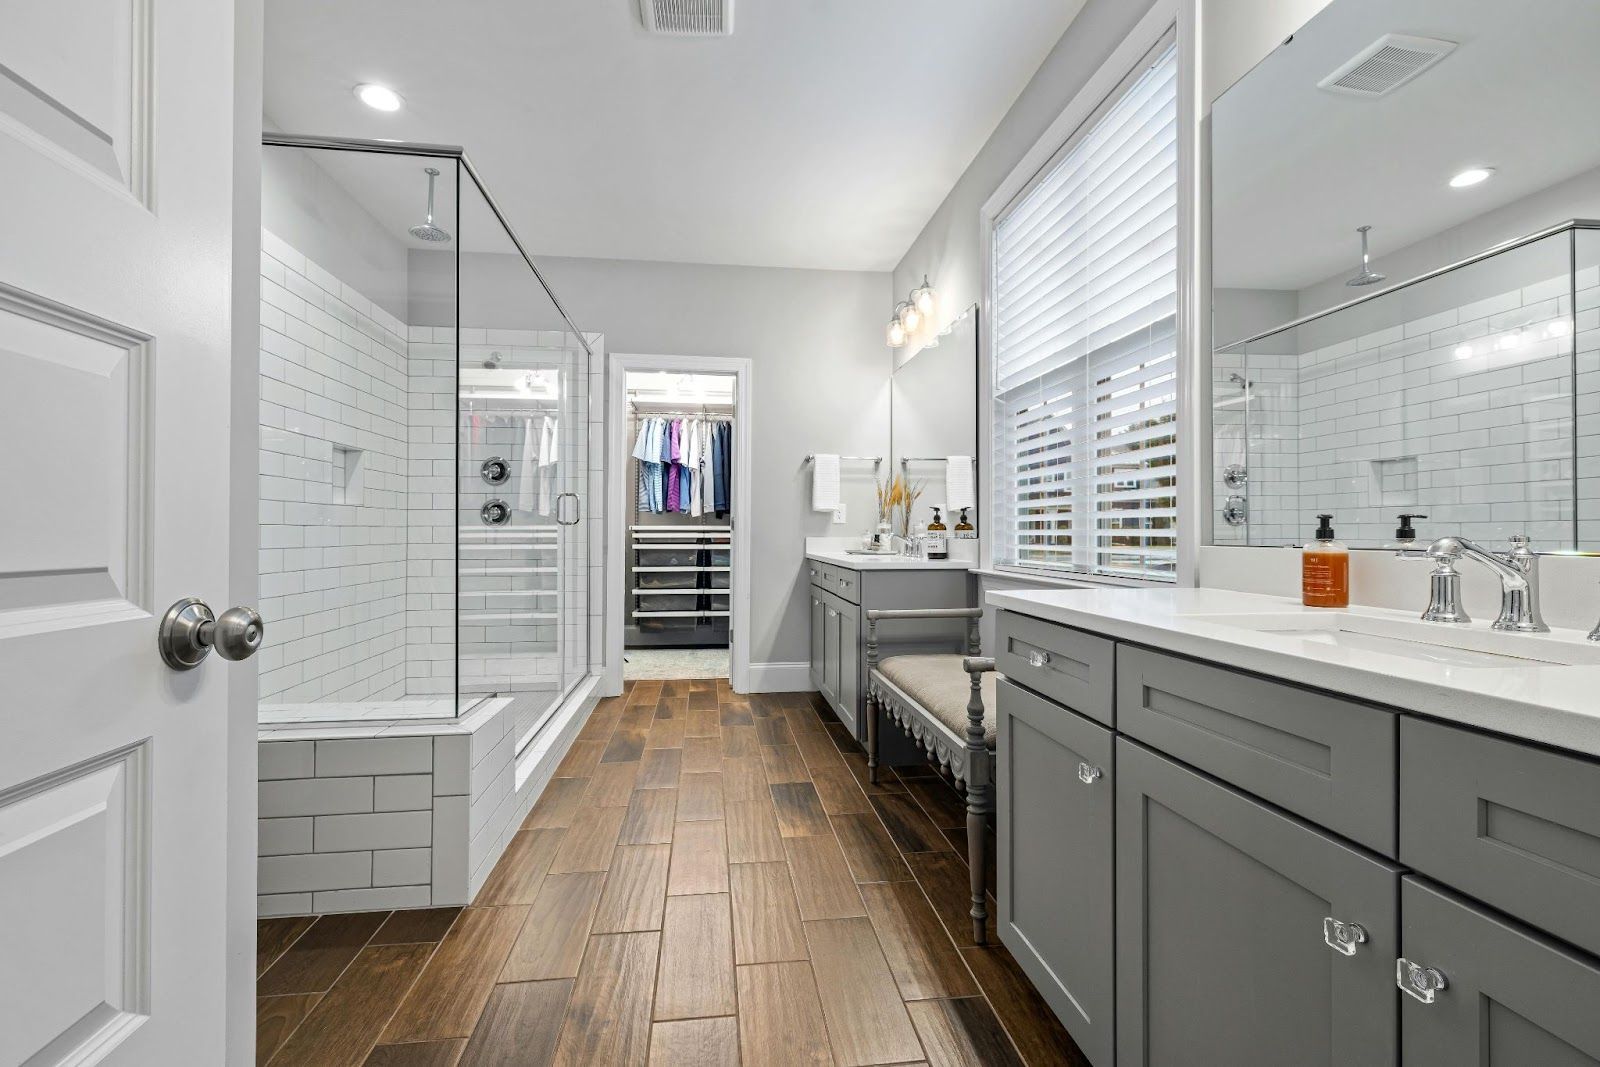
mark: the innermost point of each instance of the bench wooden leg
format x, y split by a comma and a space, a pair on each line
872, 740
979, 803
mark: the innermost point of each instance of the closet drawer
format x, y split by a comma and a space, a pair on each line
668, 557
1328, 759
1066, 665
1513, 825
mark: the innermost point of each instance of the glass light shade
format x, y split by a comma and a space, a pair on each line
924, 298
910, 318
897, 334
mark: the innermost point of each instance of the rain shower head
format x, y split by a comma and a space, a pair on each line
427, 231
1367, 276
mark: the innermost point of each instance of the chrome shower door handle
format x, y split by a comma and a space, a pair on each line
577, 510
189, 632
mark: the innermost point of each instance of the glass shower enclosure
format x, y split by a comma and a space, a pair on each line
425, 418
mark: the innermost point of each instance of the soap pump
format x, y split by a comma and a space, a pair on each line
1404, 535
1325, 569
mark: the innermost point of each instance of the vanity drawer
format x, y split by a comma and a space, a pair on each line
1328, 759
841, 582
846, 585
1516, 826
1068, 666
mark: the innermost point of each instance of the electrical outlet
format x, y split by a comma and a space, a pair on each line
838, 515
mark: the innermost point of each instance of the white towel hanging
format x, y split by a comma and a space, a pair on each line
824, 482
958, 483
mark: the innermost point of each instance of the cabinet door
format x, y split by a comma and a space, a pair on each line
1512, 998
1221, 902
848, 690
830, 653
819, 614
1054, 816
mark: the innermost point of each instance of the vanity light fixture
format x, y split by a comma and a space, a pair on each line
1471, 176
910, 314
378, 97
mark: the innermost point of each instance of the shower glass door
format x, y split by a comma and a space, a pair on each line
521, 479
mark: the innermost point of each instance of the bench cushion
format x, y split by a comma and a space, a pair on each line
942, 686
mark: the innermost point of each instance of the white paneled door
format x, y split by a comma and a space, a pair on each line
116, 176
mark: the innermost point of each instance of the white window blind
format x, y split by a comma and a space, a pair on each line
1085, 354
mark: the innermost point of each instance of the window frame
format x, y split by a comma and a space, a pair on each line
1158, 31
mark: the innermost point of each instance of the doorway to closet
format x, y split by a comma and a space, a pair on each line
680, 560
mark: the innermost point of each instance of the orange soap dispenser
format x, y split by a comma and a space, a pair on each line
1325, 569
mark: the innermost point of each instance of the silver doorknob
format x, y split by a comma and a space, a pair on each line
189, 632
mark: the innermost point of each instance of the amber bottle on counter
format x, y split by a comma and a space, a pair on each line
1325, 569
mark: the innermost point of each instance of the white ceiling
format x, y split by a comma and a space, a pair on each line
823, 133
1296, 169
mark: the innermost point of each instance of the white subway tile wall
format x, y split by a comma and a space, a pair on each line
333, 574
1464, 415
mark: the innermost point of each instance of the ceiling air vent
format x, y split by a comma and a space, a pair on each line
688, 18
1386, 64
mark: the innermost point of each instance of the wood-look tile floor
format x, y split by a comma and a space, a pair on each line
707, 880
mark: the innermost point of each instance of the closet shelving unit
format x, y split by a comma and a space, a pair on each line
691, 556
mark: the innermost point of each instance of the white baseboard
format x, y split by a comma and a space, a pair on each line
780, 677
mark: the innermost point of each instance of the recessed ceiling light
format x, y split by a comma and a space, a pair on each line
1471, 176
379, 97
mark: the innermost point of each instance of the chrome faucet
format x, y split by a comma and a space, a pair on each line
1517, 569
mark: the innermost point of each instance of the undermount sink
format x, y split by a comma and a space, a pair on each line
1456, 646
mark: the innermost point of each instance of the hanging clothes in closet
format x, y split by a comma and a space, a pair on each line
684, 464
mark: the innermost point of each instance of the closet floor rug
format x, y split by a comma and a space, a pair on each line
675, 663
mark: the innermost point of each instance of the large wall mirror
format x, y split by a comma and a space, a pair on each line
933, 410
1451, 367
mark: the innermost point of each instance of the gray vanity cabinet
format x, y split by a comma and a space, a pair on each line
839, 598
1054, 813
1511, 997
1222, 945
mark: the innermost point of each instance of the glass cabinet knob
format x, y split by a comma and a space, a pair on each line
1037, 658
1423, 983
1343, 937
1088, 774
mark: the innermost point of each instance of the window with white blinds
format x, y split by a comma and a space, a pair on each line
1085, 354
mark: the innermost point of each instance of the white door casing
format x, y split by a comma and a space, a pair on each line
116, 165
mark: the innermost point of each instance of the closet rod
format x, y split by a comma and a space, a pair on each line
689, 414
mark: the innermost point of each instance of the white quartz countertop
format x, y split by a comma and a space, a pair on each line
1552, 703
838, 557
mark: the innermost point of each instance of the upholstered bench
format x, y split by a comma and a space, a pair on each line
946, 703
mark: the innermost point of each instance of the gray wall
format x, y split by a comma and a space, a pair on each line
301, 203
821, 380
948, 249
1240, 313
